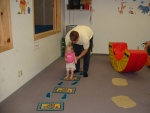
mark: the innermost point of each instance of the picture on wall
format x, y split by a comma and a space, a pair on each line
23, 6
134, 6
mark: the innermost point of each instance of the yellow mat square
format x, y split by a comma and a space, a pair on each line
119, 82
123, 101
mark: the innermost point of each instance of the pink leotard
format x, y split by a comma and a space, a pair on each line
70, 57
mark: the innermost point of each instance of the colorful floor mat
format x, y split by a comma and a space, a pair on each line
75, 78
66, 90
50, 106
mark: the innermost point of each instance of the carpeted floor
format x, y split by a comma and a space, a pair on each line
92, 95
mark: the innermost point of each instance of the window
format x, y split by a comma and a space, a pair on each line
5, 26
46, 18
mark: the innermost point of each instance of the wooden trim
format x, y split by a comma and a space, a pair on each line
58, 15
56, 21
45, 34
5, 26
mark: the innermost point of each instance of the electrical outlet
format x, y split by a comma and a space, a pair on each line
20, 73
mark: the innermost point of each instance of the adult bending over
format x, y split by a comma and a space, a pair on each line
81, 38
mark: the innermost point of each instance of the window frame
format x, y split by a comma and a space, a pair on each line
6, 42
56, 21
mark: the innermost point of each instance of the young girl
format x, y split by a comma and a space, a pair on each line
70, 59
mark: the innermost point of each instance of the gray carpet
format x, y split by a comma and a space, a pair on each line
93, 94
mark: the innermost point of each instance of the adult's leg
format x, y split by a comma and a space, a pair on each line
86, 61
87, 56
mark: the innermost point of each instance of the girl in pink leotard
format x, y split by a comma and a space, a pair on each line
70, 59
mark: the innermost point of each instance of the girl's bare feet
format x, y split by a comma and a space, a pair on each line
66, 77
71, 77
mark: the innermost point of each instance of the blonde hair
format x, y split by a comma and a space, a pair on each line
69, 46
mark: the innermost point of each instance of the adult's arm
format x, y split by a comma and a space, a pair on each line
82, 53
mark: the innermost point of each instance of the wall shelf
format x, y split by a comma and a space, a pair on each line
79, 5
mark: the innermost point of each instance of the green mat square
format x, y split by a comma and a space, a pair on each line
66, 90
50, 106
